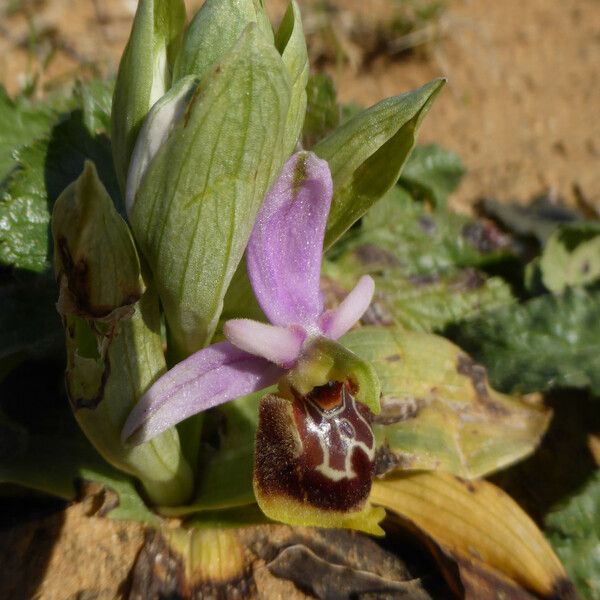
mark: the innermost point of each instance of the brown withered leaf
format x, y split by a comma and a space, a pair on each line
329, 581
481, 538
277, 561
338, 563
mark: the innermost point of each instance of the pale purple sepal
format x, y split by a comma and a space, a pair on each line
208, 378
286, 246
335, 323
279, 345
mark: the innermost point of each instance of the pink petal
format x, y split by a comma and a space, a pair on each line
208, 378
335, 323
279, 345
286, 246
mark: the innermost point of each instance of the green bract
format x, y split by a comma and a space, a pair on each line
290, 42
366, 154
95, 260
144, 73
113, 342
214, 31
198, 200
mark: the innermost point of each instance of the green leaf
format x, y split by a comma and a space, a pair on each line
21, 123
366, 154
432, 173
197, 203
573, 528
224, 478
571, 257
213, 32
144, 73
421, 262
53, 465
427, 303
322, 110
428, 241
45, 168
291, 44
51, 454
545, 343
438, 411
24, 213
109, 366
30, 327
95, 99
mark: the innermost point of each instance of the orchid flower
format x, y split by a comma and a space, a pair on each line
284, 257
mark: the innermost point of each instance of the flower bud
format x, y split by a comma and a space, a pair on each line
159, 124
96, 263
114, 350
213, 32
290, 42
144, 73
197, 202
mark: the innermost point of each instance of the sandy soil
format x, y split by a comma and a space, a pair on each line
523, 88
522, 97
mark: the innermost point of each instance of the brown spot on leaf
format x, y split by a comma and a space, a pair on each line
468, 485
564, 590
427, 224
478, 376
393, 358
386, 460
480, 582
423, 280
396, 410
76, 276
80, 402
485, 236
188, 109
